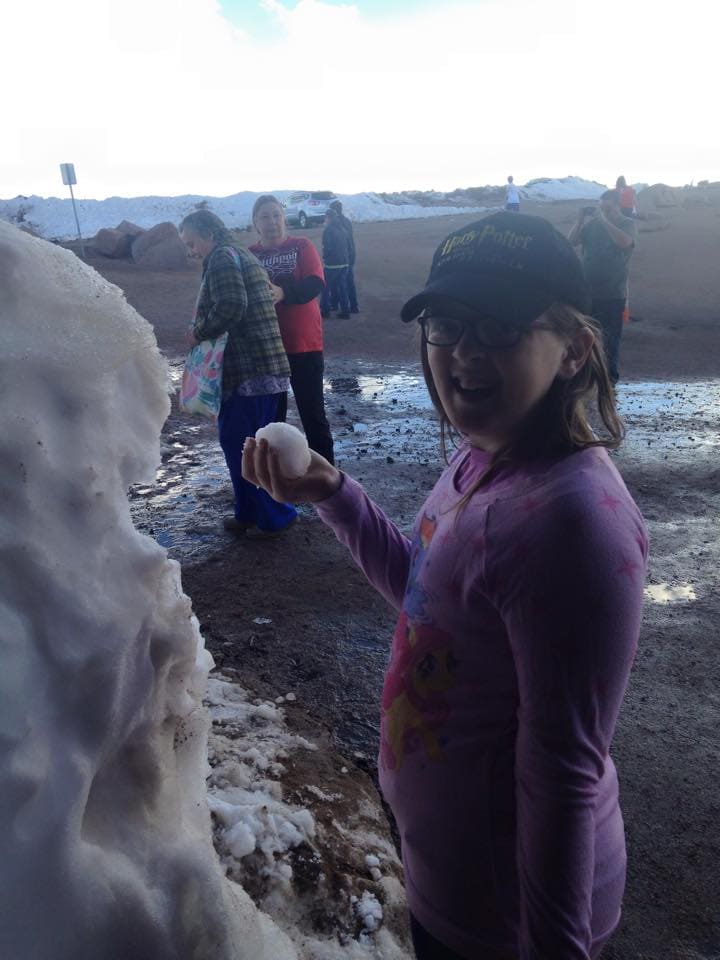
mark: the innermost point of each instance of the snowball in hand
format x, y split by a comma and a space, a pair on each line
291, 446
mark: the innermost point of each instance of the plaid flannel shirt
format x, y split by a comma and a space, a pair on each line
234, 298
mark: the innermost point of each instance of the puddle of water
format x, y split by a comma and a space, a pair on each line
388, 415
173, 511
674, 398
402, 389
175, 373
661, 417
671, 416
410, 439
670, 592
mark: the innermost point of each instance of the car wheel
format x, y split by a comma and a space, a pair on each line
302, 220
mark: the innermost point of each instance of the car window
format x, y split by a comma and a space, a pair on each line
322, 195
297, 197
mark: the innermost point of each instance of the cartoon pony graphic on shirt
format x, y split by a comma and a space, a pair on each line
414, 706
416, 597
422, 667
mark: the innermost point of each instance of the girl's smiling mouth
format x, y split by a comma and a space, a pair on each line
467, 387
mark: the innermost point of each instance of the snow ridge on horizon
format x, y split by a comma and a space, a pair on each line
52, 217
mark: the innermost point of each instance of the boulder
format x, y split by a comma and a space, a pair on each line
160, 248
660, 196
132, 229
112, 243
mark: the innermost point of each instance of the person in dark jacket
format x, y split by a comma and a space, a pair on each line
347, 226
235, 298
336, 260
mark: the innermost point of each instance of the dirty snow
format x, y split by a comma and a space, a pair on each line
105, 831
278, 848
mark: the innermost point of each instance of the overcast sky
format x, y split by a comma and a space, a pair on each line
200, 96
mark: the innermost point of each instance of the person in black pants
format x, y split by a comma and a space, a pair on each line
336, 260
347, 226
608, 240
295, 277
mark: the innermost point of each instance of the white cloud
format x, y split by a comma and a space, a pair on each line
161, 96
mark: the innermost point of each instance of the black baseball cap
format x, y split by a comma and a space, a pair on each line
509, 265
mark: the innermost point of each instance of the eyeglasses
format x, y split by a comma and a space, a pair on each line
489, 332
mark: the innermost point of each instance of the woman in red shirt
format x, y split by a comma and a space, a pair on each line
296, 280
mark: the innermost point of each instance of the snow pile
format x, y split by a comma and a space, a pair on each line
369, 206
566, 188
318, 860
250, 811
291, 446
53, 217
105, 834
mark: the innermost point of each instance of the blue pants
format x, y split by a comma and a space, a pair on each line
239, 418
335, 292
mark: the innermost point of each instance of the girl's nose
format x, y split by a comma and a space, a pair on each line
468, 345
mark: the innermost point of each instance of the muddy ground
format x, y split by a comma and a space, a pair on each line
323, 633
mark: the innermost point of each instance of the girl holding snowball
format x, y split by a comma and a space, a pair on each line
519, 597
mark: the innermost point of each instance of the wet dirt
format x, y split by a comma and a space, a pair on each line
295, 615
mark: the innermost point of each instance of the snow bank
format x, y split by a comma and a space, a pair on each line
566, 188
369, 206
53, 217
105, 834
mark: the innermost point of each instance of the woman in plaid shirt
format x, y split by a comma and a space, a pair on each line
234, 298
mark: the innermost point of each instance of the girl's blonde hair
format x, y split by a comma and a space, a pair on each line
560, 423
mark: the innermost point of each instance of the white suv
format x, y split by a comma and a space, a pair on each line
308, 207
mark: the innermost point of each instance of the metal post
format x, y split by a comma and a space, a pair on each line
67, 171
77, 222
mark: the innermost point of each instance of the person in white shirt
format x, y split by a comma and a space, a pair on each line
512, 197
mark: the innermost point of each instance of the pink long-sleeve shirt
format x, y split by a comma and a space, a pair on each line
519, 619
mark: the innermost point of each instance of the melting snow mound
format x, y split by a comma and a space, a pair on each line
105, 834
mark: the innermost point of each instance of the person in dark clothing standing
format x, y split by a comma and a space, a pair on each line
336, 260
608, 239
347, 226
296, 279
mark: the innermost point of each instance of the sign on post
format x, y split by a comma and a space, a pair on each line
68, 173
68, 178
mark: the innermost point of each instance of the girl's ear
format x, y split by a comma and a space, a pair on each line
576, 354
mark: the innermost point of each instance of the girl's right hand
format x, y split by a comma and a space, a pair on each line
261, 466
